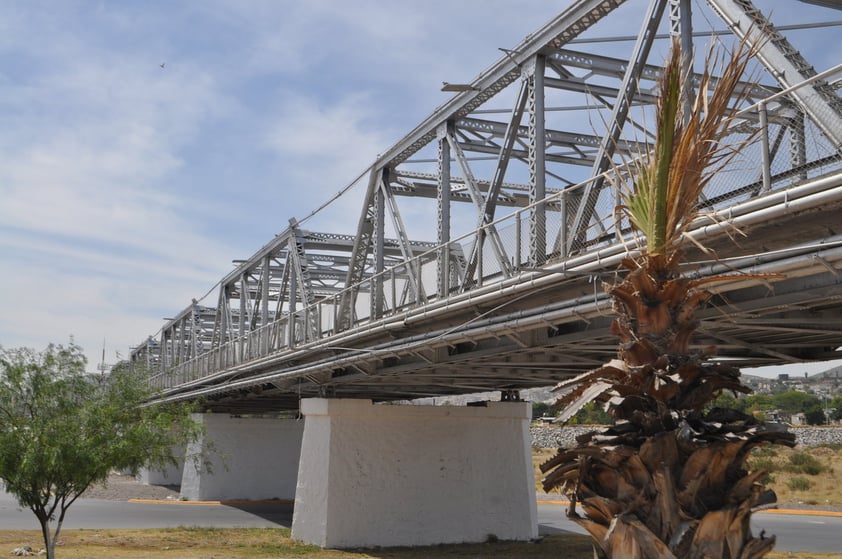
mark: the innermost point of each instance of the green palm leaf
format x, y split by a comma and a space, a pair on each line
662, 201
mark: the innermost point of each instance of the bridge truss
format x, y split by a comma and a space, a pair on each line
506, 292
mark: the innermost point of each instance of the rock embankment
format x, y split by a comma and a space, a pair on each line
554, 437
816, 436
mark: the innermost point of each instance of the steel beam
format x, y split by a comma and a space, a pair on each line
568, 25
530, 322
443, 211
486, 231
537, 162
413, 267
359, 254
819, 100
629, 86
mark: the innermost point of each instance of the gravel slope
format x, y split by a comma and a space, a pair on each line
125, 487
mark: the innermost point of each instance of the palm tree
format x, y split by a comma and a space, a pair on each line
669, 479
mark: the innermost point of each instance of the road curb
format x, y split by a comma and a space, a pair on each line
234, 503
804, 512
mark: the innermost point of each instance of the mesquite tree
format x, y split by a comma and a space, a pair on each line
62, 430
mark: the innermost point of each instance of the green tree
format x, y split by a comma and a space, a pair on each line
814, 415
836, 407
758, 402
727, 400
539, 409
757, 405
795, 402
63, 430
591, 414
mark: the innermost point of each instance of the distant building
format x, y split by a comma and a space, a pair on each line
798, 419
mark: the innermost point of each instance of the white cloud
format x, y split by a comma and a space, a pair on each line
60, 290
93, 218
127, 188
100, 145
322, 148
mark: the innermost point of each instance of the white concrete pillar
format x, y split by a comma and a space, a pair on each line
399, 475
251, 458
168, 475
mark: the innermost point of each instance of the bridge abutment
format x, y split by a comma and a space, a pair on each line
251, 458
401, 475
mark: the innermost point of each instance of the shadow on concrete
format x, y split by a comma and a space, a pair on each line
544, 530
279, 513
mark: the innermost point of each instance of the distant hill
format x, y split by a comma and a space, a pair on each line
832, 373
753, 378
543, 394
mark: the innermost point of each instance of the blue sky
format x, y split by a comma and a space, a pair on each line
127, 188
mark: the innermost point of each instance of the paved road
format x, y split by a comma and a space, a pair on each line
817, 534
99, 513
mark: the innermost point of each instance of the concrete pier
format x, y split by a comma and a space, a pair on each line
402, 475
169, 475
251, 458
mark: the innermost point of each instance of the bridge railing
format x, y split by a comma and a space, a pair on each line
398, 295
793, 145
790, 147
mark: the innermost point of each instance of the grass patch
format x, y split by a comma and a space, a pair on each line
266, 543
825, 487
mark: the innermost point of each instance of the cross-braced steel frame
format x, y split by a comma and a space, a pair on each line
507, 295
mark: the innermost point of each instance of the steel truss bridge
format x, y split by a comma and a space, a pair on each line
520, 165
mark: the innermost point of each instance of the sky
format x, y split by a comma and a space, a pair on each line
144, 146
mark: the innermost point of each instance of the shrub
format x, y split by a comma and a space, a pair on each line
802, 463
763, 464
767, 479
799, 483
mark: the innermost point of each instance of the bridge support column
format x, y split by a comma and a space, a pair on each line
398, 475
168, 475
251, 458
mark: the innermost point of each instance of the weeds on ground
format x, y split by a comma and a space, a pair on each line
265, 543
796, 475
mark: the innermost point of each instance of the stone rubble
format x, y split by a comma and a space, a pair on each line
554, 437
26, 551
